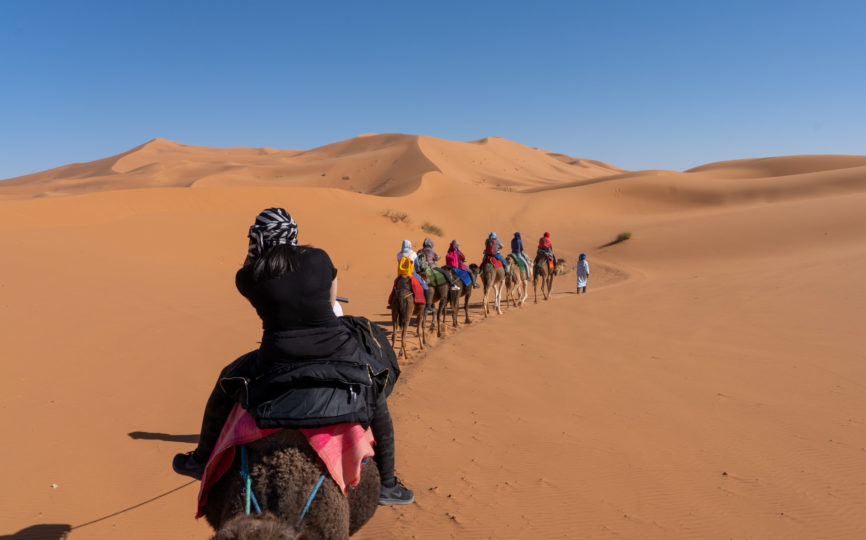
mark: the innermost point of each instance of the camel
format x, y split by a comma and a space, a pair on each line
542, 271
516, 281
465, 292
403, 307
284, 471
440, 297
492, 277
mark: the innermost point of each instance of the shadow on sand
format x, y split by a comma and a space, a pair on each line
152, 436
40, 532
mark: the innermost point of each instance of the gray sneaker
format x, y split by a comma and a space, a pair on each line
395, 493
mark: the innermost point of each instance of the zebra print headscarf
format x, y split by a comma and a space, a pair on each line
273, 227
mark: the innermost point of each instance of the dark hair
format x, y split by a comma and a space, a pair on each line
277, 261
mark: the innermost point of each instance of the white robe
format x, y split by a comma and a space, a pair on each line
582, 273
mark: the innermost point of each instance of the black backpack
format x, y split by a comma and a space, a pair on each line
373, 339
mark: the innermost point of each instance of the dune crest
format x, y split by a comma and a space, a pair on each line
389, 164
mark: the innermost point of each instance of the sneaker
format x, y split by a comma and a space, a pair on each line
430, 309
455, 287
188, 465
476, 286
395, 493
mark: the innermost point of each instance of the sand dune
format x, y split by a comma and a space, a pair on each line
388, 165
709, 385
780, 166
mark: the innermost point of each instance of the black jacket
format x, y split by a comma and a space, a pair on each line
316, 377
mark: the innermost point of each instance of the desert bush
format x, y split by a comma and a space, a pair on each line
431, 229
622, 237
396, 216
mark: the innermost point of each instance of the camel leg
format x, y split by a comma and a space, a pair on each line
499, 298
422, 320
455, 303
535, 287
466, 309
404, 326
393, 326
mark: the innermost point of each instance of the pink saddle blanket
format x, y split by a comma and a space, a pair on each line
342, 447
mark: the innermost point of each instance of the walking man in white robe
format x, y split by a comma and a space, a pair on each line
582, 273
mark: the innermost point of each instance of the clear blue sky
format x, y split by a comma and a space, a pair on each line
638, 84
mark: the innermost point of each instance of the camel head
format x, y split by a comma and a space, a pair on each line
561, 267
258, 527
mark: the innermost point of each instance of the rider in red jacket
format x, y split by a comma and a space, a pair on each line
545, 247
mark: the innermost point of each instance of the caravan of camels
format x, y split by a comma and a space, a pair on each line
423, 286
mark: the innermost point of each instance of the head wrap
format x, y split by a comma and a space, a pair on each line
407, 248
582, 256
454, 244
517, 235
547, 235
273, 227
493, 235
428, 243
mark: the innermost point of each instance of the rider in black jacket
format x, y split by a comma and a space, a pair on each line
310, 370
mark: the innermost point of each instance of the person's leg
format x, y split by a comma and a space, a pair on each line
502, 260
525, 258
392, 492
464, 276
216, 411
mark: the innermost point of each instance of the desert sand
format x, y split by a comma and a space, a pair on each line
711, 384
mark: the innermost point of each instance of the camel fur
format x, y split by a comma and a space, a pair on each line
516, 282
403, 306
284, 470
493, 277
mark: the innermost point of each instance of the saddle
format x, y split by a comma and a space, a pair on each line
491, 260
519, 260
342, 448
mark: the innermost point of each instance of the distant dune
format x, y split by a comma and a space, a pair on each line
386, 165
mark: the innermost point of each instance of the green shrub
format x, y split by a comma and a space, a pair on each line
431, 229
396, 216
623, 236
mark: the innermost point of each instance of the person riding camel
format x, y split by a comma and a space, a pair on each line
492, 247
293, 289
455, 260
429, 256
545, 247
517, 249
406, 252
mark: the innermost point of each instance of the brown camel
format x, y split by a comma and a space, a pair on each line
517, 281
493, 278
465, 292
284, 471
541, 271
403, 307
439, 297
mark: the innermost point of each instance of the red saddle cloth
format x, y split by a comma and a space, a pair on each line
342, 447
491, 259
417, 289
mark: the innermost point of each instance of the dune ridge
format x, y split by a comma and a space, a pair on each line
390, 164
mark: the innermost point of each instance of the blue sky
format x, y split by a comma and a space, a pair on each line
637, 84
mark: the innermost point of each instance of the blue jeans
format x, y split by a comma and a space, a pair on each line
502, 260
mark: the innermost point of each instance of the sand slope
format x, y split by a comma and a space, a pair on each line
388, 165
711, 384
